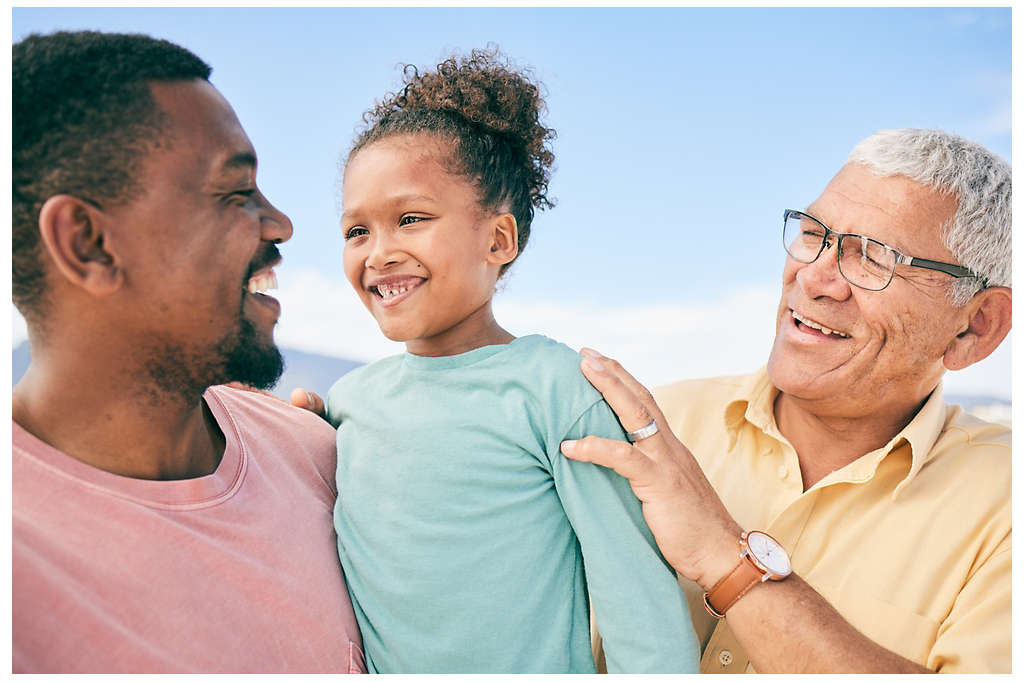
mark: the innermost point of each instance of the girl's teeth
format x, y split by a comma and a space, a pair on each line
392, 292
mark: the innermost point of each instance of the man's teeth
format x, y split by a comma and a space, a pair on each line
814, 325
262, 283
387, 291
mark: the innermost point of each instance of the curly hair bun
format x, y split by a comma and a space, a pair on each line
491, 113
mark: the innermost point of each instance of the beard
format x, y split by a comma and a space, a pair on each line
251, 360
242, 355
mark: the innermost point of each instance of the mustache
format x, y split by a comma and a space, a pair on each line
266, 256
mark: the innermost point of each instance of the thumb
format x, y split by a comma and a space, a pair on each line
308, 400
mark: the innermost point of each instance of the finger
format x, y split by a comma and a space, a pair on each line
245, 387
621, 457
308, 400
632, 403
638, 390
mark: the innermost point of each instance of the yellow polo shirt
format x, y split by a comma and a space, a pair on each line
910, 543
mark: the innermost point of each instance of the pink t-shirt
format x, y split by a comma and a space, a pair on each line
232, 572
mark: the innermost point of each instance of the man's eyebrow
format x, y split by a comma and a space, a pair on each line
239, 160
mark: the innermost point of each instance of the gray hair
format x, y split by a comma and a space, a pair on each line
979, 235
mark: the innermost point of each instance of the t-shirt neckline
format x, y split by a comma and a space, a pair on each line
179, 494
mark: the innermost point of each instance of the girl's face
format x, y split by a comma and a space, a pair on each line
420, 251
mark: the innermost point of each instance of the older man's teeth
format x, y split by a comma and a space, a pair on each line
264, 282
814, 325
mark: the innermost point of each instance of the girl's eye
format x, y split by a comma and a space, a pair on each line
410, 219
356, 232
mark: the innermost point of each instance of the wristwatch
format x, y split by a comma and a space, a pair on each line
762, 559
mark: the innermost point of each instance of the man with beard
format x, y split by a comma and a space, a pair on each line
159, 524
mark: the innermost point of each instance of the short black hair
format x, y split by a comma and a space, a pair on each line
83, 118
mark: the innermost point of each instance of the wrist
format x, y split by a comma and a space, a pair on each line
720, 557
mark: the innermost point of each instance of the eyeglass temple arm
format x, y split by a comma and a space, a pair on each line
948, 268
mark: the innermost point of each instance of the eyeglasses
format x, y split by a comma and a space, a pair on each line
863, 262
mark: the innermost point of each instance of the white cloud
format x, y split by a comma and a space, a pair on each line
19, 332
663, 342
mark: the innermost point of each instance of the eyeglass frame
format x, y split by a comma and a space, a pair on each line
957, 271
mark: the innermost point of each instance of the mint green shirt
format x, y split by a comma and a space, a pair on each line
470, 543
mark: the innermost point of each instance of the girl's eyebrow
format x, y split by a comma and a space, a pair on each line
390, 201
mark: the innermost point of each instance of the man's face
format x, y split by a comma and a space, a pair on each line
196, 247
888, 353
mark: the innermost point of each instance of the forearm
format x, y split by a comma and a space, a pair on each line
787, 627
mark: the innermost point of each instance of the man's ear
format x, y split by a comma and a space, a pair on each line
73, 236
989, 321
504, 239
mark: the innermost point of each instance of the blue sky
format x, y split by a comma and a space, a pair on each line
682, 134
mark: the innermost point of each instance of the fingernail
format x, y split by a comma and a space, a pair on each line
594, 364
568, 446
309, 398
590, 353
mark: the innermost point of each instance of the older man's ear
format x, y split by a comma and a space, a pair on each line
990, 316
72, 235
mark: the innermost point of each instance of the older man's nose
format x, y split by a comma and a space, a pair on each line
822, 277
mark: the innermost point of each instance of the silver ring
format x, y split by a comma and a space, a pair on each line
645, 432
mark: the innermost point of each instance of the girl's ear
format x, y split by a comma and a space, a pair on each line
73, 238
504, 245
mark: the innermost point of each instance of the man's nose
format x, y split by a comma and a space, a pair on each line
275, 226
822, 277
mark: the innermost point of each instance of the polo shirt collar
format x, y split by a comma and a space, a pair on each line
755, 400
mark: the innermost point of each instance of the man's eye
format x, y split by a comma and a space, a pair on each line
242, 195
356, 232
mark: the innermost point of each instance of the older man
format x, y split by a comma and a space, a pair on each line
159, 525
835, 514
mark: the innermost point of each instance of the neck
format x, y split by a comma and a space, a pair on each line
106, 415
475, 331
826, 442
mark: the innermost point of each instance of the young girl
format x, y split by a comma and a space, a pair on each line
469, 543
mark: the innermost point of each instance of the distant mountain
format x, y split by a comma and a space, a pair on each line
302, 370
313, 372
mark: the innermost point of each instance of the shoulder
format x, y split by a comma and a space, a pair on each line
551, 366
972, 452
253, 409
353, 384
269, 426
684, 399
360, 376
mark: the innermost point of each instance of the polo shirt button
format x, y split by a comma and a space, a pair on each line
725, 657
783, 471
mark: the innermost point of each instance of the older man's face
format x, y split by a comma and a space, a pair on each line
888, 353
191, 245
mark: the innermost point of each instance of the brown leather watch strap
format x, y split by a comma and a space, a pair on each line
729, 589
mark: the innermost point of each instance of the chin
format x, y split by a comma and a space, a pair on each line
252, 359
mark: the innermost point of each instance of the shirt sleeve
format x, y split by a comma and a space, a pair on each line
640, 609
975, 637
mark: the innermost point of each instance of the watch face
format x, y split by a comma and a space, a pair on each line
770, 553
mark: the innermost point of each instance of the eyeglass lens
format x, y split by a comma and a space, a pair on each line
864, 262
